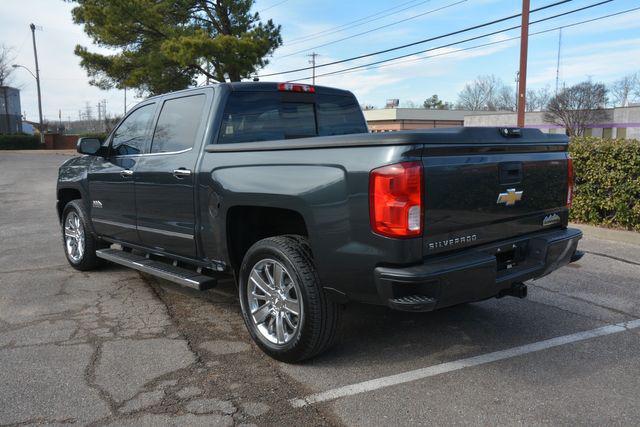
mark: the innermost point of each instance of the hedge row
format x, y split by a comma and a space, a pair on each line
19, 142
607, 173
100, 135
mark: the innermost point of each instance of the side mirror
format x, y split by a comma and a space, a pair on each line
89, 146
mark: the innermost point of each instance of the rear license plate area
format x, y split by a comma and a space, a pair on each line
510, 256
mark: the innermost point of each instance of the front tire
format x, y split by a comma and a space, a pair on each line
79, 243
283, 305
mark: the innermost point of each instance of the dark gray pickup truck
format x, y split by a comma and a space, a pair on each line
282, 187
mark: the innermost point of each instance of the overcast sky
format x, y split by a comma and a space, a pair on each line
603, 50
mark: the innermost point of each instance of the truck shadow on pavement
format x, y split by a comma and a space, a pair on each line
378, 336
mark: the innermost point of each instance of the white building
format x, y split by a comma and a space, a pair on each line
622, 122
393, 119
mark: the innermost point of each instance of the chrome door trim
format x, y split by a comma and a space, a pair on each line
115, 223
165, 232
142, 228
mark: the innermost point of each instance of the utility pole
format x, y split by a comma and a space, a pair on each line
312, 61
35, 54
103, 125
524, 47
558, 61
517, 88
125, 100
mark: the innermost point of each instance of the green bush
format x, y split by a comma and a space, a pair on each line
100, 135
607, 174
19, 142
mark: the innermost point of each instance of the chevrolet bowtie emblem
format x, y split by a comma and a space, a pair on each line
510, 197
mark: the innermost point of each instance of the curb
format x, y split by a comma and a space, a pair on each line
630, 237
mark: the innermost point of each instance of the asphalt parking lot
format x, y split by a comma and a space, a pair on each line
112, 347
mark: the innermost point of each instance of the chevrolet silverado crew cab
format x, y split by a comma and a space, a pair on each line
281, 187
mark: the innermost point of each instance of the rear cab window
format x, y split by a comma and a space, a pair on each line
268, 116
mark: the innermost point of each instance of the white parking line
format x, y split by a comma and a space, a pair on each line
405, 377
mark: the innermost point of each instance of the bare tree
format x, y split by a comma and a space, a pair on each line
505, 99
625, 89
537, 100
480, 94
577, 107
6, 60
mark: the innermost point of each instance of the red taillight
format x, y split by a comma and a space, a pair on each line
395, 200
570, 182
296, 87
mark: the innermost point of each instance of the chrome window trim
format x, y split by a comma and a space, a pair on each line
152, 154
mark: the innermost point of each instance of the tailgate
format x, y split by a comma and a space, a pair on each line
479, 192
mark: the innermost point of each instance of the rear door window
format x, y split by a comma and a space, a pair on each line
178, 124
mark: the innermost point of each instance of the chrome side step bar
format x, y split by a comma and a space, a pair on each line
182, 276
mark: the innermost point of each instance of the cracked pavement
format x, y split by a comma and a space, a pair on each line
111, 347
114, 347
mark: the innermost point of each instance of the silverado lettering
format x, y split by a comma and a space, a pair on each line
454, 241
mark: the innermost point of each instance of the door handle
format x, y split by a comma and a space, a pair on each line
181, 173
126, 173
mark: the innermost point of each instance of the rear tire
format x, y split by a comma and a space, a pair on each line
277, 279
79, 242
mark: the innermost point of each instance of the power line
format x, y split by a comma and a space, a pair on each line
350, 25
272, 6
371, 67
376, 29
463, 41
464, 30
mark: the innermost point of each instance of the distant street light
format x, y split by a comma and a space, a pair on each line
39, 98
22, 66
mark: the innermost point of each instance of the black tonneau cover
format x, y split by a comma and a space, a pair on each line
482, 138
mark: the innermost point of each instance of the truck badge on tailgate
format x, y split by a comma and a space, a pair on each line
551, 220
510, 197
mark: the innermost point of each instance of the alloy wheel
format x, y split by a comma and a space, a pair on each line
274, 301
74, 237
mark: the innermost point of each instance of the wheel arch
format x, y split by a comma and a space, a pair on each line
248, 224
65, 195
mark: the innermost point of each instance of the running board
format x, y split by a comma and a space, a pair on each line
182, 276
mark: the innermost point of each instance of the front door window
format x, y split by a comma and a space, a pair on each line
131, 135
